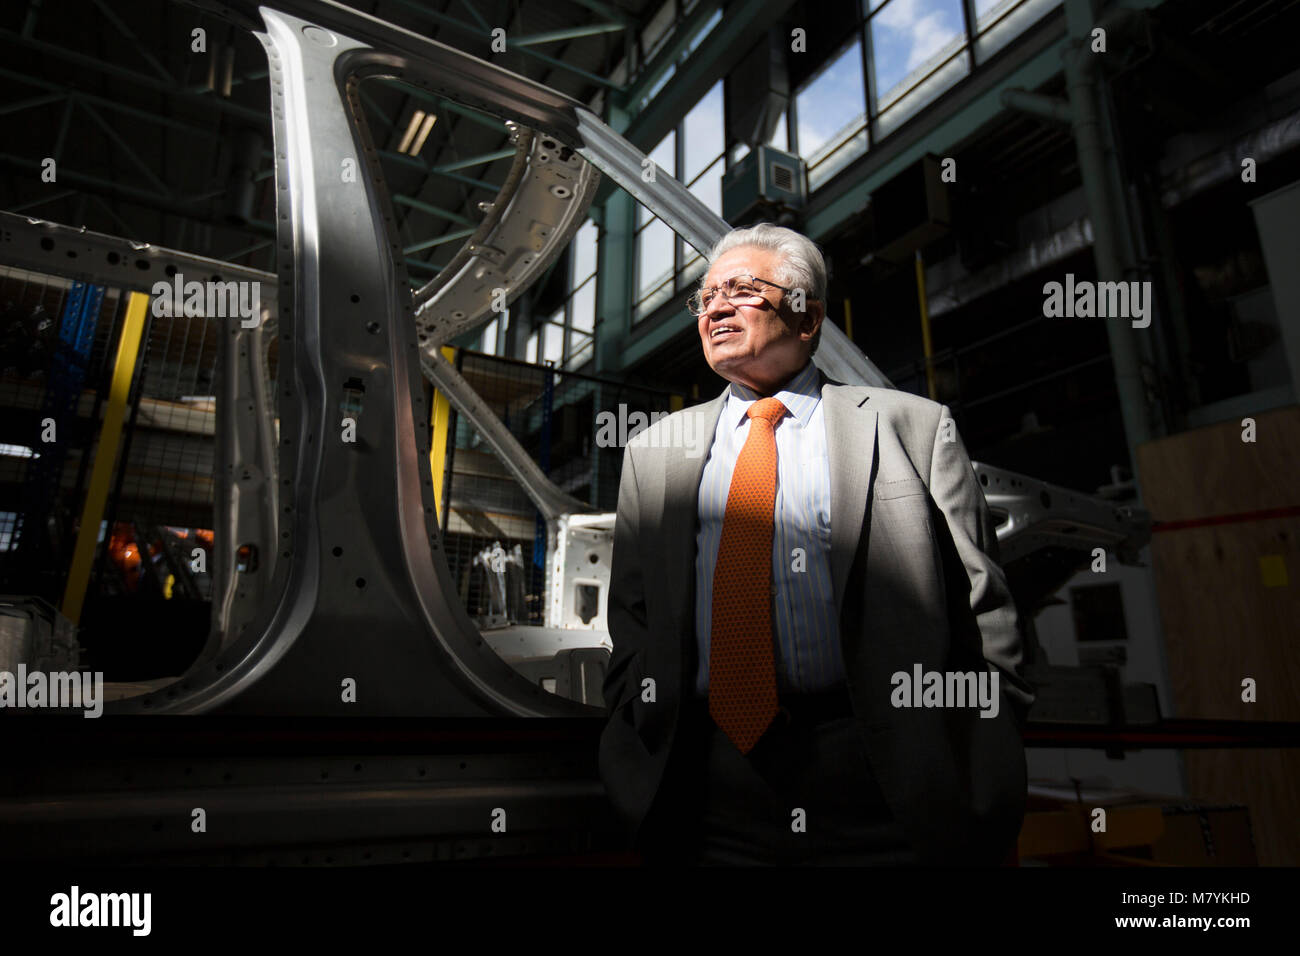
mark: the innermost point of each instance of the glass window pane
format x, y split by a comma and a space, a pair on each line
780, 138
983, 7
693, 271
998, 22
580, 349
553, 348
704, 134
664, 156
584, 252
832, 162
902, 110
654, 257
489, 341
708, 188
531, 354
659, 83
909, 38
830, 107
583, 306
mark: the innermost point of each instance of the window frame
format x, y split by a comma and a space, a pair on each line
684, 256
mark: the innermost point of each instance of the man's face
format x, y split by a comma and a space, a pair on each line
759, 346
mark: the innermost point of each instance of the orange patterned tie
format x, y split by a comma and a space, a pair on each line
742, 670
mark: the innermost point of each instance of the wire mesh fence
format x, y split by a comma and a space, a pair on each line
55, 345
556, 417
59, 343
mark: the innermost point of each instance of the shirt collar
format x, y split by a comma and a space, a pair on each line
800, 396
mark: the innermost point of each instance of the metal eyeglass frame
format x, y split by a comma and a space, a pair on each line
697, 306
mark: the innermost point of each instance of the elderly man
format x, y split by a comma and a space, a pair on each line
815, 650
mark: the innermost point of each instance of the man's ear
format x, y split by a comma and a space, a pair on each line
812, 318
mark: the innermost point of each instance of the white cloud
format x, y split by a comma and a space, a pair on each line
925, 26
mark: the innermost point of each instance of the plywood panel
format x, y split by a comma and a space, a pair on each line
1229, 598
1267, 782
1211, 471
1226, 618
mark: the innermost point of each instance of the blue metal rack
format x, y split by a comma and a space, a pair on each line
67, 375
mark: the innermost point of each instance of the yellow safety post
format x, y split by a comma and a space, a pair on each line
101, 475
925, 326
848, 319
440, 419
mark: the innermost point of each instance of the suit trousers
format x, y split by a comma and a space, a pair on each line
804, 795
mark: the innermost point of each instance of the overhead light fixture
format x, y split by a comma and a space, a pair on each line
18, 451
418, 131
424, 134
410, 130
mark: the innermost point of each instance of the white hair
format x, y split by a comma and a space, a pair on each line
802, 265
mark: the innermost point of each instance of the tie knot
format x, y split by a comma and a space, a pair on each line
768, 409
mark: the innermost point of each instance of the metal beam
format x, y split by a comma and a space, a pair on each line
112, 105
125, 147
473, 12
247, 250
404, 160
205, 90
469, 29
616, 266
29, 21
126, 227
423, 266
375, 110
65, 124
568, 33
480, 160
1045, 107
31, 204
433, 210
671, 52
439, 421
140, 197
443, 104
577, 71
101, 475
140, 49
32, 103
110, 69
438, 241
608, 11
447, 171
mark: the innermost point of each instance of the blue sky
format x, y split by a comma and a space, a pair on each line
907, 33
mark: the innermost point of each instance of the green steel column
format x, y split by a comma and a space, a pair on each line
615, 268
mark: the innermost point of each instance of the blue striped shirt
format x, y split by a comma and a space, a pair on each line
808, 656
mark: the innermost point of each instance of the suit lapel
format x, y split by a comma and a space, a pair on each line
850, 453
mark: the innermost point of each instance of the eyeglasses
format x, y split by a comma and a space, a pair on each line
738, 290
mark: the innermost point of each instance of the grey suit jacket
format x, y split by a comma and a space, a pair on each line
914, 565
